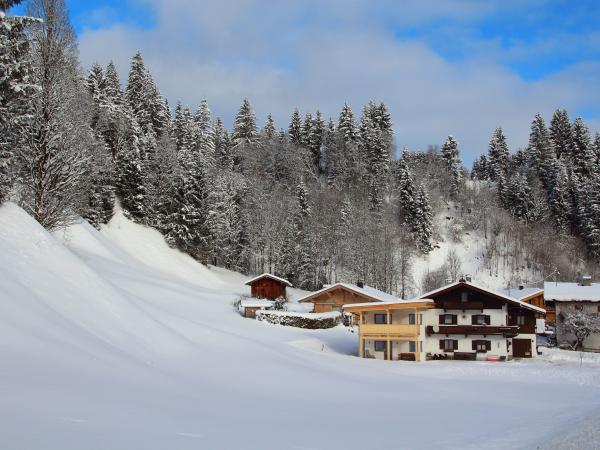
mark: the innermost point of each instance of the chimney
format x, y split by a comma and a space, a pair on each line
360, 284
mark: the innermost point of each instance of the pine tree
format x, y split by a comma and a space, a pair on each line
306, 130
113, 85
17, 84
295, 128
315, 141
269, 133
583, 152
498, 162
244, 129
451, 157
543, 153
223, 149
561, 134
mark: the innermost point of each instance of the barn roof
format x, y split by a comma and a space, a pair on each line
522, 294
271, 276
475, 287
571, 292
366, 291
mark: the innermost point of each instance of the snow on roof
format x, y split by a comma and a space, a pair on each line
392, 303
497, 294
256, 303
273, 277
566, 292
368, 291
520, 294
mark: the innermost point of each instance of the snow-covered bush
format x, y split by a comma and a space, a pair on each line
580, 325
312, 321
280, 304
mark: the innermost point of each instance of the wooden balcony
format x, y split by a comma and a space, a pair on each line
395, 329
462, 306
483, 330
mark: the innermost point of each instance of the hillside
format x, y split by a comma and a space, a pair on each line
113, 340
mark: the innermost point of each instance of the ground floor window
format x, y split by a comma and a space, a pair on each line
412, 347
448, 345
380, 346
482, 346
411, 319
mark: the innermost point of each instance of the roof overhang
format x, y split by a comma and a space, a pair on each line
272, 277
333, 287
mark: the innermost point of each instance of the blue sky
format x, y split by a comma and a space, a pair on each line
457, 67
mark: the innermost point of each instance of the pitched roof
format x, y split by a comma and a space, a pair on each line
366, 291
271, 276
521, 294
571, 292
488, 291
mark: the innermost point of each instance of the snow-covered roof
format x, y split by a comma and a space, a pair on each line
256, 303
273, 277
367, 291
520, 294
497, 294
567, 292
392, 303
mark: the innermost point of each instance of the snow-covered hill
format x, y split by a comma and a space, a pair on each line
113, 340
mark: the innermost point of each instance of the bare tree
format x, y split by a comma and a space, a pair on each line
580, 325
56, 153
453, 265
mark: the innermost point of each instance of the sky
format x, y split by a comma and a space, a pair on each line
460, 67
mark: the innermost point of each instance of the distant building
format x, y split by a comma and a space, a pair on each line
583, 295
250, 306
333, 297
533, 296
458, 321
268, 286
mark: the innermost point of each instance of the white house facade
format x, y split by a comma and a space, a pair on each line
458, 321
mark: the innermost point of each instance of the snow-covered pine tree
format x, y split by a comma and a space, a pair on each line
113, 85
558, 199
295, 128
584, 157
306, 130
244, 128
451, 157
518, 197
542, 153
498, 161
204, 134
223, 149
315, 141
58, 137
347, 156
268, 132
561, 134
17, 83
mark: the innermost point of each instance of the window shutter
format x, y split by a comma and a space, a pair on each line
488, 345
455, 345
487, 320
454, 319
441, 344
473, 345
442, 318
474, 320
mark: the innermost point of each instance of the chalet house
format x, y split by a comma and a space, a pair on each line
268, 286
533, 296
333, 297
569, 297
458, 321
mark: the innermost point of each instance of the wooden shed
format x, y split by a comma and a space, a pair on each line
331, 298
268, 286
249, 307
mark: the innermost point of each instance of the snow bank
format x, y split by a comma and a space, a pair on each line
311, 321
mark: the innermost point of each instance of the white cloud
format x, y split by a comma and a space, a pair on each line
320, 54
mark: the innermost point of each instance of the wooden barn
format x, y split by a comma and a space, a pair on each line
268, 286
332, 298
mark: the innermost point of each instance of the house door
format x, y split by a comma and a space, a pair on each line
521, 348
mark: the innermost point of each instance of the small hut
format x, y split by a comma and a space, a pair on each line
268, 286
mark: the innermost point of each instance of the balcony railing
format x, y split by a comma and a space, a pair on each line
397, 329
453, 304
486, 330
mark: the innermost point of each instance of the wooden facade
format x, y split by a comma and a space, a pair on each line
334, 297
268, 286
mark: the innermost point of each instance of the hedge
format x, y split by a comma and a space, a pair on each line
312, 321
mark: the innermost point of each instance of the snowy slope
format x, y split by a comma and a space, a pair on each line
112, 340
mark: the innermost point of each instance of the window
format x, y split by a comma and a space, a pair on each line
380, 346
380, 318
411, 319
520, 320
482, 346
464, 297
480, 319
448, 319
448, 345
412, 347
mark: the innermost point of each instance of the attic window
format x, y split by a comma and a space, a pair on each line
464, 297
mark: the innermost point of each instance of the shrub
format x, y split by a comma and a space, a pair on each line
312, 321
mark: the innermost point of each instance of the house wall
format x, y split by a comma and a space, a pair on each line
593, 342
267, 288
